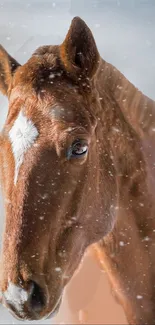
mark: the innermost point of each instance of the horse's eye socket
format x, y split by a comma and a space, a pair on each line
79, 148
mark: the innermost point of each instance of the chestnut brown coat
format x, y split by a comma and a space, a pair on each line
88, 177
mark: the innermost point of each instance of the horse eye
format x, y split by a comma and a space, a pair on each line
78, 149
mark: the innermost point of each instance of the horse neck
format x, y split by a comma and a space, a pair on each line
138, 110
119, 102
127, 118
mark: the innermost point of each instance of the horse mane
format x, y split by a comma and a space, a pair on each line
136, 107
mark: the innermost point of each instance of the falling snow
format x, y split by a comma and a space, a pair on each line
25, 28
121, 243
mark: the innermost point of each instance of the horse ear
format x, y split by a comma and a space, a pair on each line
79, 52
8, 65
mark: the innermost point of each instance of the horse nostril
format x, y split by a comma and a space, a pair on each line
27, 301
37, 298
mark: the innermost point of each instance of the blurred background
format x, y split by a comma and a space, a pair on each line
124, 31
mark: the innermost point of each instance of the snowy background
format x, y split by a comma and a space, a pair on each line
124, 31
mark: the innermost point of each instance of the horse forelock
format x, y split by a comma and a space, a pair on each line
39, 71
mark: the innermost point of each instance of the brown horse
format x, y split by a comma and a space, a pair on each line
77, 164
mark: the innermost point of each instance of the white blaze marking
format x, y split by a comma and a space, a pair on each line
22, 136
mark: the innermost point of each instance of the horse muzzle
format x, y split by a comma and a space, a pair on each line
30, 303
56, 309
